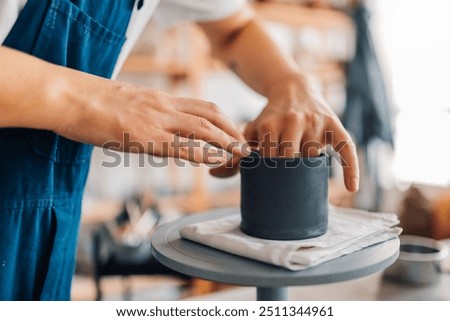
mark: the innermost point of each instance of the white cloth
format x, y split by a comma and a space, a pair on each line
349, 230
167, 13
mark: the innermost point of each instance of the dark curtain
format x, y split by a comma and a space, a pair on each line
367, 113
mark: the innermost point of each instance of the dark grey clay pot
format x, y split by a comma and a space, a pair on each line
284, 198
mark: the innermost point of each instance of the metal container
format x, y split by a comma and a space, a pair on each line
419, 261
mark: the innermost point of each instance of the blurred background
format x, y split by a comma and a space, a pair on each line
382, 66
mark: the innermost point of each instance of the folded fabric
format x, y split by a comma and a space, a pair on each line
349, 230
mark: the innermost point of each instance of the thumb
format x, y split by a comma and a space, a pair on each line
228, 169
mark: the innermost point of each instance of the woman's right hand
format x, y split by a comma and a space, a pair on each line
106, 113
133, 118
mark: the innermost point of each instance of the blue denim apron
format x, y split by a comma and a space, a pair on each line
42, 175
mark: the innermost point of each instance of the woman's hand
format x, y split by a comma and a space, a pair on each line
89, 109
296, 120
133, 118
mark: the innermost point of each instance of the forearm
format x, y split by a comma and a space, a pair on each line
30, 90
40, 95
95, 110
296, 120
251, 53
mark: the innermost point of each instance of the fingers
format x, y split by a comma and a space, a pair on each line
290, 142
196, 127
203, 120
311, 148
268, 143
210, 112
344, 146
251, 135
296, 136
188, 149
229, 169
313, 143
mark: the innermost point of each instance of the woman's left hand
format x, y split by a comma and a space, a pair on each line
297, 122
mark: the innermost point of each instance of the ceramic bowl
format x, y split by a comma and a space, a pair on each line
419, 261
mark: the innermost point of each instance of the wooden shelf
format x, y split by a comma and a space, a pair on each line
144, 64
300, 16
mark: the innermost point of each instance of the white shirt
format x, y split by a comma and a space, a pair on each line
166, 12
